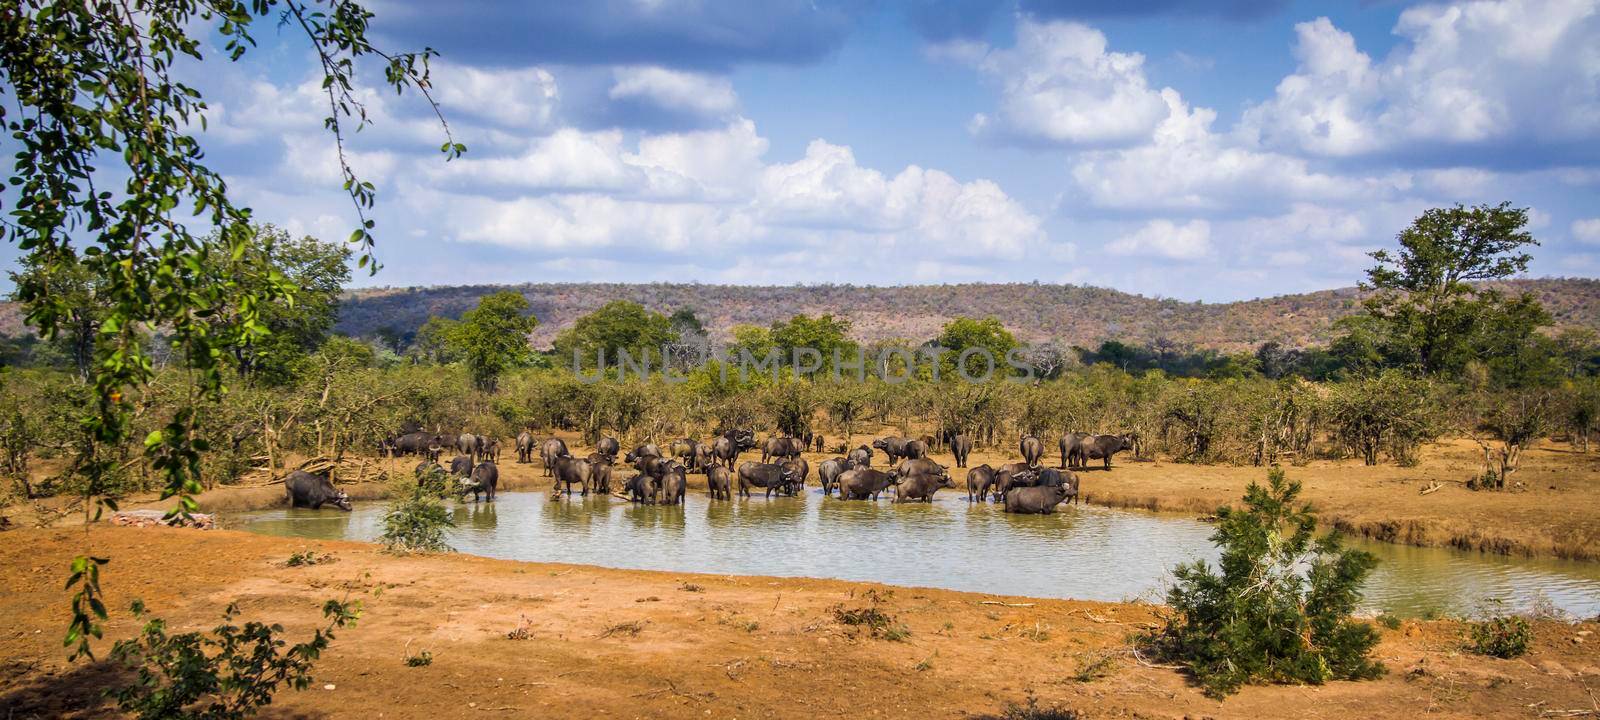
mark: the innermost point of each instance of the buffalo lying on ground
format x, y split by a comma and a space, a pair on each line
313, 491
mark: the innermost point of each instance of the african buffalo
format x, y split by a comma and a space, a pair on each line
599, 472
468, 444
864, 483
799, 469
1031, 449
642, 489
717, 482
861, 456
764, 475
491, 449
674, 485
1012, 475
460, 467
893, 448
608, 446
1102, 447
525, 447
653, 465
1037, 500
685, 450
961, 447
645, 450
313, 491
550, 451
920, 487
569, 470
979, 480
819, 443
830, 470
416, 443
484, 479
704, 458
729, 444
1070, 444
921, 465
781, 447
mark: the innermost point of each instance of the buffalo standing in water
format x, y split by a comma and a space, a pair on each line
718, 483
830, 470
569, 470
485, 478
728, 445
865, 483
674, 485
313, 491
921, 487
861, 456
764, 475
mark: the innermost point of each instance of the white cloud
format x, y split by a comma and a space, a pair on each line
1187, 166
1467, 73
675, 90
1059, 84
1586, 230
525, 97
1165, 239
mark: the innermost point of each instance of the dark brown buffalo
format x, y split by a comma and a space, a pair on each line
729, 444
921, 465
1012, 475
460, 467
865, 483
920, 487
674, 484
961, 447
608, 446
917, 449
485, 477
525, 447
599, 472
642, 489
717, 482
653, 465
1036, 500
704, 458
893, 448
313, 491
684, 450
645, 450
1102, 447
551, 450
829, 471
818, 443
1070, 445
766, 476
569, 470
491, 449
979, 480
1031, 449
861, 456
781, 447
798, 468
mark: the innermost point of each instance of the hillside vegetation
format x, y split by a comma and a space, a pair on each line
1078, 315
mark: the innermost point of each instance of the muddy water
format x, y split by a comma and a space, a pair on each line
1083, 552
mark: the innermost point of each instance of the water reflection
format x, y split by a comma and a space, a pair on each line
1081, 552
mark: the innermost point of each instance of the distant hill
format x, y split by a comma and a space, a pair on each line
1074, 314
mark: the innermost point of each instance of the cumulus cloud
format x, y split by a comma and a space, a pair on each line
521, 98
1166, 240
675, 91
1485, 73
1586, 230
1060, 84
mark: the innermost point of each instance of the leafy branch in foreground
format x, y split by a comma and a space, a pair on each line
226, 675
106, 183
1279, 609
416, 524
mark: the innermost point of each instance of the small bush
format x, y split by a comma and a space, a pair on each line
1280, 608
1094, 665
421, 659
416, 524
878, 623
1030, 710
227, 674
631, 628
523, 630
1389, 621
1502, 636
306, 558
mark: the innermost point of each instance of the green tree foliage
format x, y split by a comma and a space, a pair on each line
987, 335
1432, 316
107, 181
493, 337
416, 523
432, 344
825, 334
230, 673
617, 326
1277, 608
295, 325
1391, 412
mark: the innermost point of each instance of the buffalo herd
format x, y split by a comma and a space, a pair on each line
661, 477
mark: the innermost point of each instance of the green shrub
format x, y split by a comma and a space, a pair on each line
416, 524
1279, 610
1502, 636
227, 674
421, 659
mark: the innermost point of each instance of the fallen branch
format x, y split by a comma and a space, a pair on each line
1432, 488
1006, 604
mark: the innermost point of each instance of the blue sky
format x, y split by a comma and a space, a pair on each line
1197, 150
